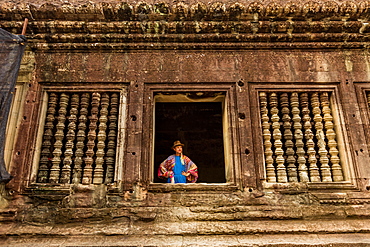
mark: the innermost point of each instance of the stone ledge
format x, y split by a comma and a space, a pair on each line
49, 214
192, 228
200, 187
255, 240
125, 47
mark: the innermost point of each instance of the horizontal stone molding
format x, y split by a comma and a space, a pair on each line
253, 239
187, 10
131, 225
75, 28
121, 47
96, 24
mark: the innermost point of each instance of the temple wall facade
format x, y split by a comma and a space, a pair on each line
287, 84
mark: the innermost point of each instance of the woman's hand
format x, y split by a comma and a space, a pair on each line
185, 174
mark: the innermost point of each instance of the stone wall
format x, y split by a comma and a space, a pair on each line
239, 49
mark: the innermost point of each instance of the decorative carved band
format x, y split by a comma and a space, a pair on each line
299, 137
79, 138
142, 25
174, 11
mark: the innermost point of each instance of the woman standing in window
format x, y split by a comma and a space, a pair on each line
178, 168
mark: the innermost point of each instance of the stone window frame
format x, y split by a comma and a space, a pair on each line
80, 88
14, 119
233, 166
362, 88
342, 135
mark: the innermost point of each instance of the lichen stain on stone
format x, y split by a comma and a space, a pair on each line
348, 62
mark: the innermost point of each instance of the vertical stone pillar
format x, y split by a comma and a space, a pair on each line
132, 165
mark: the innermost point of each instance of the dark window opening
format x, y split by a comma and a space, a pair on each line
197, 125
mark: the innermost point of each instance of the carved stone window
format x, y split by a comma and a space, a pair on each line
79, 140
197, 120
198, 117
301, 139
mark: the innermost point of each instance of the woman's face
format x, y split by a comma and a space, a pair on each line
178, 150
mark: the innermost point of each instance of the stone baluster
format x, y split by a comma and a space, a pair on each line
112, 137
310, 144
320, 137
70, 136
298, 134
279, 152
270, 169
331, 136
100, 153
46, 154
59, 136
80, 138
91, 136
288, 136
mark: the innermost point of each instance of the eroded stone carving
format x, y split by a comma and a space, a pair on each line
161, 8
218, 11
109, 10
311, 8
330, 8
292, 9
256, 8
274, 9
180, 10
364, 8
198, 11
348, 8
124, 11
236, 10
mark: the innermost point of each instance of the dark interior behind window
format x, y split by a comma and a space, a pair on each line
197, 125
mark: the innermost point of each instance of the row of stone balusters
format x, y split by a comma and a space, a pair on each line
299, 137
79, 139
